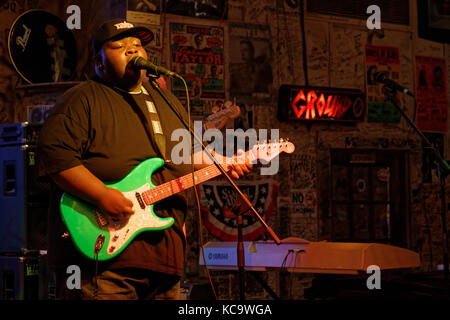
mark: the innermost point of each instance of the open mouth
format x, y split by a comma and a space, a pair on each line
130, 69
130, 66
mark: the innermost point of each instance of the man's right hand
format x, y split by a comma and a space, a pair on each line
115, 204
80, 182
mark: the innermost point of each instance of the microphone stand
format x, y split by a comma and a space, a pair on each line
443, 170
240, 253
240, 244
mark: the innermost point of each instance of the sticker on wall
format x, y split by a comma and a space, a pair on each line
303, 171
303, 202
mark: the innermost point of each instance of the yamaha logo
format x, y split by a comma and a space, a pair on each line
218, 256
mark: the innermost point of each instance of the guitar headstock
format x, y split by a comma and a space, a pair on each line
219, 118
232, 112
269, 150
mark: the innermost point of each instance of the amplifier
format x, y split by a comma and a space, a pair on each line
19, 133
23, 200
24, 278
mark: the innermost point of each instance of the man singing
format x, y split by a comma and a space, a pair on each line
99, 131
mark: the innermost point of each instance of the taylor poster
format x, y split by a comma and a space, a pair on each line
197, 55
218, 199
431, 94
381, 59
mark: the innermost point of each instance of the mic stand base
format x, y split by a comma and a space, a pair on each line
444, 226
241, 258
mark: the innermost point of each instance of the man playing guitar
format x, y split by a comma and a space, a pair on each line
99, 132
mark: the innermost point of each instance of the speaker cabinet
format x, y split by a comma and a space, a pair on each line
23, 201
24, 278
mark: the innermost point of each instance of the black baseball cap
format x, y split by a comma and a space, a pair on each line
119, 27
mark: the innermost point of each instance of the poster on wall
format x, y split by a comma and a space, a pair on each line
144, 11
219, 198
251, 76
381, 59
197, 55
211, 9
431, 94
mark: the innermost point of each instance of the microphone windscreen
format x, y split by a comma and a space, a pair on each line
138, 62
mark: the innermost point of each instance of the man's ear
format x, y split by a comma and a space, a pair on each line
98, 62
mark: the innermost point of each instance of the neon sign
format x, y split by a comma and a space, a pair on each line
316, 103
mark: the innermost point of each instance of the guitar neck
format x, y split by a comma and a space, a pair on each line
264, 151
180, 184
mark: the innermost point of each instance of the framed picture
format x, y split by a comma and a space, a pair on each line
211, 9
434, 20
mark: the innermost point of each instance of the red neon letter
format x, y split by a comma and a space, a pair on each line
300, 96
310, 109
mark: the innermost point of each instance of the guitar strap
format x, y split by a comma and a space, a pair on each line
156, 123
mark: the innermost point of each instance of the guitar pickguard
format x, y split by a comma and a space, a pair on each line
122, 231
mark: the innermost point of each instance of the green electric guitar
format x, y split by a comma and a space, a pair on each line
103, 239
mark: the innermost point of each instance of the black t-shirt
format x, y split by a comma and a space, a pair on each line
108, 132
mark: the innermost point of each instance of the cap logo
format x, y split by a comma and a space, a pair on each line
123, 25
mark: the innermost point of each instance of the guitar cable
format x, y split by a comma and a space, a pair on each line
285, 267
97, 247
95, 277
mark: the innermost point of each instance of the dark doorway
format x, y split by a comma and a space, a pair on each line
369, 195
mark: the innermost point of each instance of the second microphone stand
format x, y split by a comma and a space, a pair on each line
443, 170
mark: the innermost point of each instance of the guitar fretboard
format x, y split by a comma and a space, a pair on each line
180, 184
187, 181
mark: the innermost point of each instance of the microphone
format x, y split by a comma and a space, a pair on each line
141, 63
383, 78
